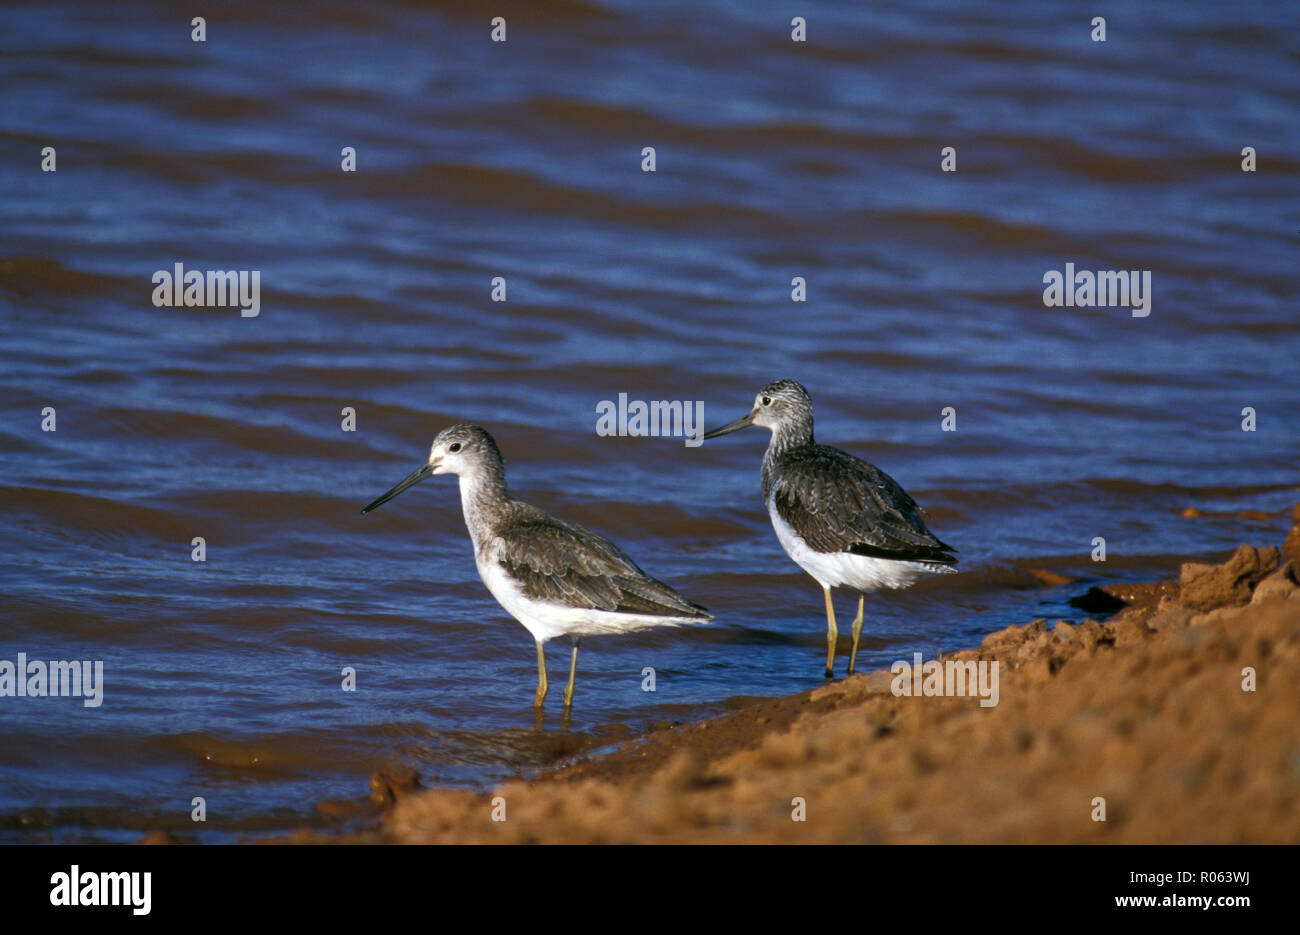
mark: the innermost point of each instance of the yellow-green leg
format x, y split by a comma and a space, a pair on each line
541, 676
573, 670
857, 632
832, 634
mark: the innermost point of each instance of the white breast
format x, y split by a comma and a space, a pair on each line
546, 621
844, 569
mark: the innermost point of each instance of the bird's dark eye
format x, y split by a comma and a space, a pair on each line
767, 400
455, 447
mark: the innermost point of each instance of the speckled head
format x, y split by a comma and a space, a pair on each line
463, 449
782, 405
459, 449
782, 401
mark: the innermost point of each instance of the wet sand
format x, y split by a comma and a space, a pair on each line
1145, 709
919, 289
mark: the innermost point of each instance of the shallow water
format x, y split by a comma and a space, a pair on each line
522, 160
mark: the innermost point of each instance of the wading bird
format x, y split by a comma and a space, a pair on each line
842, 520
556, 578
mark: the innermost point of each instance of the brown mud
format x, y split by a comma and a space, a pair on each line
1148, 710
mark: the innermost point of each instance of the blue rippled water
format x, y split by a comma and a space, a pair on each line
523, 160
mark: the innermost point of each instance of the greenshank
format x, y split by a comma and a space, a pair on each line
556, 578
842, 520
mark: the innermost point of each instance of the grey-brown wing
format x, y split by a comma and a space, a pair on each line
566, 564
838, 503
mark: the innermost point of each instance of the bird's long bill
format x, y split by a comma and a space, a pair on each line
730, 427
412, 479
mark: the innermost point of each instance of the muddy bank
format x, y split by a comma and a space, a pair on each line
1150, 710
